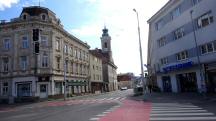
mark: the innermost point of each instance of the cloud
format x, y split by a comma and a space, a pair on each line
7, 4
120, 19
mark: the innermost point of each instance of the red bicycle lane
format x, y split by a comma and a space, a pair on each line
131, 110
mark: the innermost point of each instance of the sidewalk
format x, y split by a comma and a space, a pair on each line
176, 97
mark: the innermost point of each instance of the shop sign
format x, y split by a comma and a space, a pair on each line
178, 66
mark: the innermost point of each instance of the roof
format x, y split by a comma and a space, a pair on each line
161, 10
36, 10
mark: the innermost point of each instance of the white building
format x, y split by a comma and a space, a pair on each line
173, 57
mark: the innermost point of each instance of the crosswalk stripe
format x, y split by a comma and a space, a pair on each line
182, 114
178, 111
182, 118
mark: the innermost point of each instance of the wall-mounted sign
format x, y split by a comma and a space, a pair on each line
178, 66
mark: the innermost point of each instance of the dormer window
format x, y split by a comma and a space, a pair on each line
24, 16
43, 17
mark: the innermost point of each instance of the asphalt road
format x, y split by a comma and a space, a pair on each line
77, 109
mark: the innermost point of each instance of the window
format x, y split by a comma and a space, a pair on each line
75, 53
45, 60
80, 54
44, 40
105, 45
175, 13
23, 63
25, 43
58, 44
93, 67
80, 69
43, 88
24, 17
6, 44
66, 65
179, 33
66, 49
5, 88
72, 68
182, 55
208, 48
58, 63
5, 64
71, 50
164, 61
83, 55
195, 1
162, 41
160, 24
205, 20
76, 68
43, 17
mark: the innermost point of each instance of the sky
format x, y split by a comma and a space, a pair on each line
85, 19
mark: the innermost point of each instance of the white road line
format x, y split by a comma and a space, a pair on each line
183, 119
174, 108
178, 111
94, 119
183, 114
100, 115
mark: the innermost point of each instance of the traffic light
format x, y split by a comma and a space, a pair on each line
35, 34
36, 47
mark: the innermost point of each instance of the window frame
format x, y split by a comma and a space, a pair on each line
25, 42
5, 88
45, 61
182, 55
44, 42
5, 66
23, 63
7, 43
201, 19
176, 13
179, 33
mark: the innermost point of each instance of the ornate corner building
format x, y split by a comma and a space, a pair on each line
34, 52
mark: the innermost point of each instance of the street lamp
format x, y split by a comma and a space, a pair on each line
197, 54
140, 49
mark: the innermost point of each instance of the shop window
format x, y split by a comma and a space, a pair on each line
205, 20
23, 90
5, 88
182, 55
179, 33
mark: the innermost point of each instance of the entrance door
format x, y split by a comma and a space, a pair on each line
166, 84
43, 91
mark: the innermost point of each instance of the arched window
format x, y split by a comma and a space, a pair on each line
105, 45
43, 17
24, 17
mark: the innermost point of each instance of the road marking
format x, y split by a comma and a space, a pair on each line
94, 119
182, 114
178, 111
99, 115
183, 118
174, 108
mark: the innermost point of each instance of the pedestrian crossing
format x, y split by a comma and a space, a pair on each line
179, 112
85, 101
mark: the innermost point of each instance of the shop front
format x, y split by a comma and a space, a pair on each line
211, 77
187, 82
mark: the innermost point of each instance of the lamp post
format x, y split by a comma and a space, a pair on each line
197, 54
140, 49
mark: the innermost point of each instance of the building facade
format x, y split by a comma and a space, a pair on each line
182, 46
33, 51
125, 80
96, 79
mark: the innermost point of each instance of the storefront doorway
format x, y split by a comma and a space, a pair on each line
167, 87
187, 82
43, 91
211, 82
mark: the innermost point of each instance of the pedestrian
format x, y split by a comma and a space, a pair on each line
150, 88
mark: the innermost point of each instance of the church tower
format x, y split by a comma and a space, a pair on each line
106, 43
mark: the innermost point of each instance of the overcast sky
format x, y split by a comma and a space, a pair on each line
85, 19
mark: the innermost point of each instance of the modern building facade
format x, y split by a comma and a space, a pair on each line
96, 72
33, 51
182, 46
